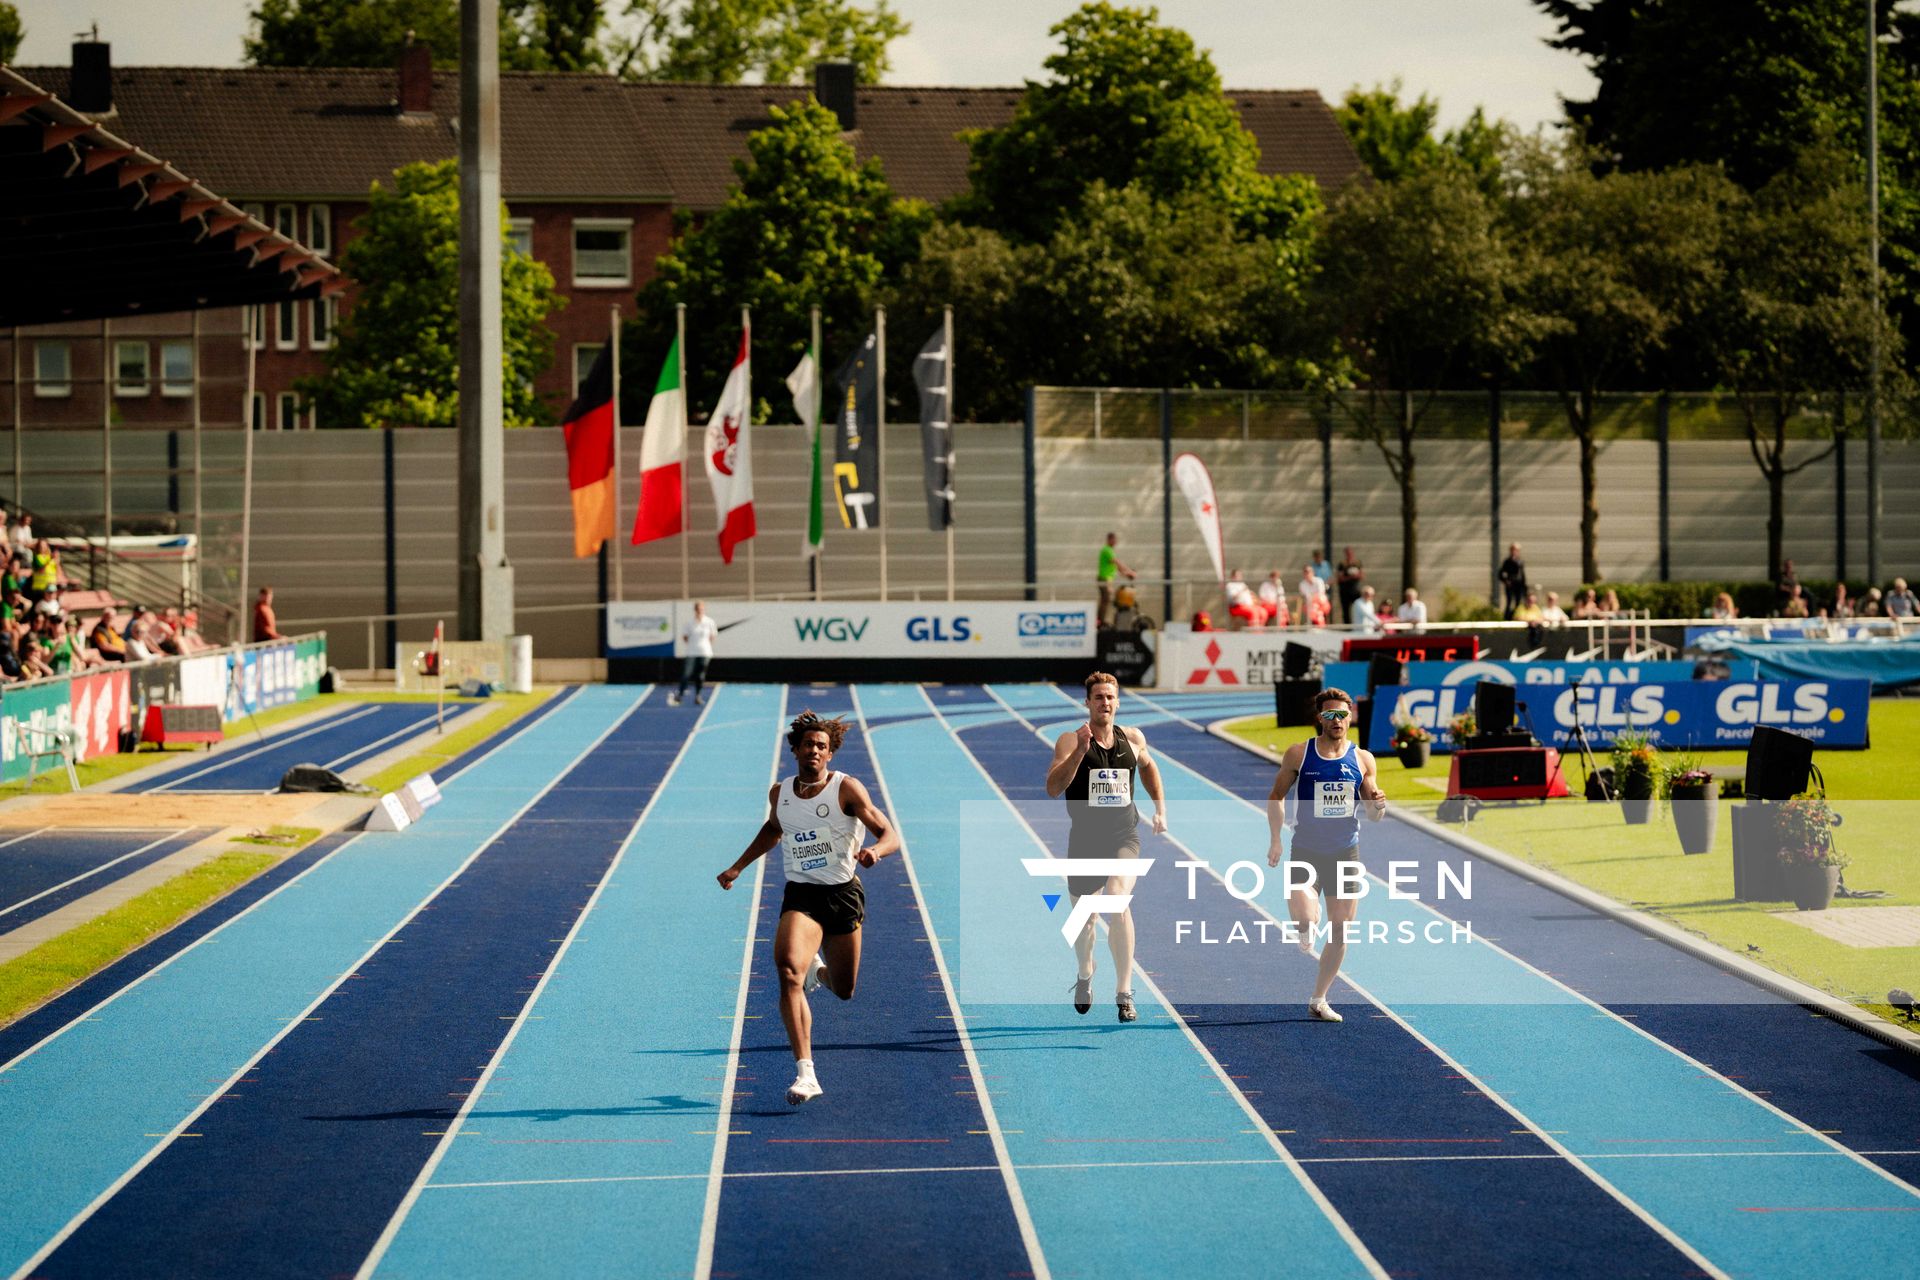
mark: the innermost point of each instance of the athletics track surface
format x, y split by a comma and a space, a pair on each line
531, 1036
337, 741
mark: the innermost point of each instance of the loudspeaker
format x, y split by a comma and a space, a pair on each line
1296, 660
1362, 717
1384, 668
1480, 770
1778, 764
1492, 707
1293, 702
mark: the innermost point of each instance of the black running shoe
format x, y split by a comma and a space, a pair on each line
1125, 1001
1082, 995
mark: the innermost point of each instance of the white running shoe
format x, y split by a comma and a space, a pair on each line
1324, 1011
805, 1088
816, 974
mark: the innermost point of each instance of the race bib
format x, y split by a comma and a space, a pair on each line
1109, 788
1333, 799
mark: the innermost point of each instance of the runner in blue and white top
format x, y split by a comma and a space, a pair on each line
1327, 781
818, 820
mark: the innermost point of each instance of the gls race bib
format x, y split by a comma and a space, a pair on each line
1333, 799
1109, 788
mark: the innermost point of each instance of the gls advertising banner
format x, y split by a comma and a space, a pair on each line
894, 629
1705, 714
1352, 676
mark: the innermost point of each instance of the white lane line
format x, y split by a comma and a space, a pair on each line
223, 760
60, 1237
1333, 1215
1036, 1256
4, 844
439, 1153
370, 748
171, 835
541, 713
717, 1163
1172, 715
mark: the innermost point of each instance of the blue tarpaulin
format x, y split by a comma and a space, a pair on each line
1889, 664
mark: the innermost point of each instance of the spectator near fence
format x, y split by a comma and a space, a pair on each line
106, 638
1513, 579
1274, 596
1795, 605
265, 625
1348, 580
1841, 609
1531, 613
1900, 602
1552, 614
1363, 616
1412, 613
1110, 566
1784, 586
1315, 609
1241, 602
1724, 609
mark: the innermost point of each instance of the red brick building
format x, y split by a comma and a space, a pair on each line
592, 171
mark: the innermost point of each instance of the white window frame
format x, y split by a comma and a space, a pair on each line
46, 388
517, 225
326, 315
256, 319
624, 225
286, 220
257, 419
122, 388
286, 337
320, 229
172, 388
286, 411
591, 351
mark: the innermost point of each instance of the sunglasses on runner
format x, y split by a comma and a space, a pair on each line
1335, 715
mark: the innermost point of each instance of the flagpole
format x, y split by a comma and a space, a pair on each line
614, 551
686, 490
880, 442
819, 378
947, 324
746, 329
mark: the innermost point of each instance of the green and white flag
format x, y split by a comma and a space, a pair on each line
804, 383
663, 506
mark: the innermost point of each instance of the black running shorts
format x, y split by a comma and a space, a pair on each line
1326, 866
1098, 847
839, 908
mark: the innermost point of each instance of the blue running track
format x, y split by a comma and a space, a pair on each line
338, 741
43, 871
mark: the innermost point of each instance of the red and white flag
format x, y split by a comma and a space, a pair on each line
729, 460
1196, 482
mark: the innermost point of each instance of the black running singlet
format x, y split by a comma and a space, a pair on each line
1100, 796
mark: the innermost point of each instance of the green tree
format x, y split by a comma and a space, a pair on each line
1614, 268
1416, 279
535, 35
1394, 139
1128, 102
12, 32
397, 362
727, 41
1793, 320
808, 225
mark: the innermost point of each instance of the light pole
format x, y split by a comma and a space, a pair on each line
1873, 258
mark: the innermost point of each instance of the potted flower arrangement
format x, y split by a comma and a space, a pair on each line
1461, 728
1695, 802
1412, 743
1636, 773
1807, 853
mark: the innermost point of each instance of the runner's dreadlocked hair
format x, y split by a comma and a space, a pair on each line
807, 722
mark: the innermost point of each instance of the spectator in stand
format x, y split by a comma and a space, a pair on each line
46, 570
1873, 606
50, 606
1315, 608
10, 668
182, 625
162, 634
1110, 565
1347, 581
106, 638
1553, 615
1841, 610
1610, 604
1364, 617
1242, 604
1534, 616
1783, 585
23, 531
1412, 613
264, 625
1723, 608
1586, 606
1274, 597
1322, 567
1795, 605
33, 659
1513, 579
138, 650
69, 650
1900, 602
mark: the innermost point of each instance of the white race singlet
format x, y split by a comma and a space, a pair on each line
817, 836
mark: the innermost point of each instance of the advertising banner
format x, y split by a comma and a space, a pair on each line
98, 706
310, 663
1352, 676
894, 629
1704, 714
203, 681
1234, 659
279, 675
39, 708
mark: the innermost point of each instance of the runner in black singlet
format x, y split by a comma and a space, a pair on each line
1094, 768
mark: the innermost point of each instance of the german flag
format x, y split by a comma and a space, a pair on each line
589, 429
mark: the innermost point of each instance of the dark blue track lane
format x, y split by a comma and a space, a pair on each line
898, 1096
299, 1170
1384, 1121
338, 742
44, 871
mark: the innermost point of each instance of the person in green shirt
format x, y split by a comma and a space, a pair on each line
1110, 567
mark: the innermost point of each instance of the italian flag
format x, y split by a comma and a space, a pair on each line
729, 459
663, 507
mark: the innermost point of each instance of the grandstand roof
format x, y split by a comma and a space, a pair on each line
330, 133
93, 225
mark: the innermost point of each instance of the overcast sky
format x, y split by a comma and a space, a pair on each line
1463, 52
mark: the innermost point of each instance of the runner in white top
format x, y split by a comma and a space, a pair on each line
818, 819
698, 636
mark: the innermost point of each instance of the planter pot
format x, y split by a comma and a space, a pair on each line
1636, 796
1696, 816
1812, 886
1414, 755
1758, 875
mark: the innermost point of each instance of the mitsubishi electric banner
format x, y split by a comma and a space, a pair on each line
1703, 714
891, 629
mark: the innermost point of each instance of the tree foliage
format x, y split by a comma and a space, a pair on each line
1395, 139
727, 41
807, 225
397, 361
12, 32
1129, 102
535, 35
